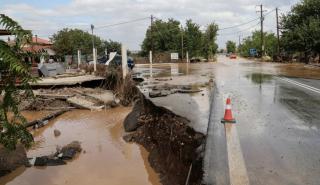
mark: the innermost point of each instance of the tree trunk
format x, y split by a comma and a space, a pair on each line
306, 58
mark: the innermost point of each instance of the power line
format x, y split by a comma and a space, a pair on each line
239, 24
121, 23
234, 33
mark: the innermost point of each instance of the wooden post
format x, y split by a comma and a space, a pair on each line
94, 59
79, 58
150, 59
124, 61
187, 57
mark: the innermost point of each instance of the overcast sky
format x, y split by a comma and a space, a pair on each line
46, 17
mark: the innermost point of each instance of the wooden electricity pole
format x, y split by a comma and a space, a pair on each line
152, 46
278, 35
181, 43
262, 38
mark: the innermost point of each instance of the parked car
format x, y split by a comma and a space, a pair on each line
117, 61
130, 63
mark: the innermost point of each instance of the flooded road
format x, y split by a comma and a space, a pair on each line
277, 108
105, 158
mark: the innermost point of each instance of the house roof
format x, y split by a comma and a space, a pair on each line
35, 48
35, 41
41, 41
4, 32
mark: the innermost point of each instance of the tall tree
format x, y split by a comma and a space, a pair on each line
13, 70
193, 39
254, 42
166, 36
68, 41
209, 43
301, 29
231, 46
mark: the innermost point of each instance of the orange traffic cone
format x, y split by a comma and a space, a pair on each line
228, 114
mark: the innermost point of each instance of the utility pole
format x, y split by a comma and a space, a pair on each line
152, 47
181, 43
94, 56
278, 35
92, 27
239, 40
262, 37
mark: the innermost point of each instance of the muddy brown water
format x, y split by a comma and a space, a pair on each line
105, 159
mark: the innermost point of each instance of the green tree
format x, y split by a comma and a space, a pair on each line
231, 46
68, 41
193, 39
13, 70
254, 42
165, 36
209, 43
112, 46
301, 29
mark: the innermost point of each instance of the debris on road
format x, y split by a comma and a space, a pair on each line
43, 121
69, 98
167, 89
84, 103
56, 132
60, 157
46, 161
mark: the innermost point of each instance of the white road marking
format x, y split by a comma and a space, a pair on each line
300, 84
237, 168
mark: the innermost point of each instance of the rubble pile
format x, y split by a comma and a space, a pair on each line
68, 98
167, 89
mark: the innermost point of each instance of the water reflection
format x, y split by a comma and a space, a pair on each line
259, 78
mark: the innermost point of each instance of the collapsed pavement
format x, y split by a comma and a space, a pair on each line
168, 121
69, 98
174, 147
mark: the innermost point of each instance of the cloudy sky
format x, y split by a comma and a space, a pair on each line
46, 17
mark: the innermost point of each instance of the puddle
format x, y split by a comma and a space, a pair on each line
106, 158
259, 78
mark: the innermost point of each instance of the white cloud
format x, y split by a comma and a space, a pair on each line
82, 13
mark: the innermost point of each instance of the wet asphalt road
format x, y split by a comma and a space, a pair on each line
278, 122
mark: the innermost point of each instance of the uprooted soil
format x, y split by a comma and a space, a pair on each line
172, 144
10, 160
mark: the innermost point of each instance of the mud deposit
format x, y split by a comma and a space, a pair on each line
105, 158
173, 145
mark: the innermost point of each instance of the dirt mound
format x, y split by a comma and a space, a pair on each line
172, 144
10, 160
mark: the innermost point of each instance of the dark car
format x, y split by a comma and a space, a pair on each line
130, 63
117, 60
